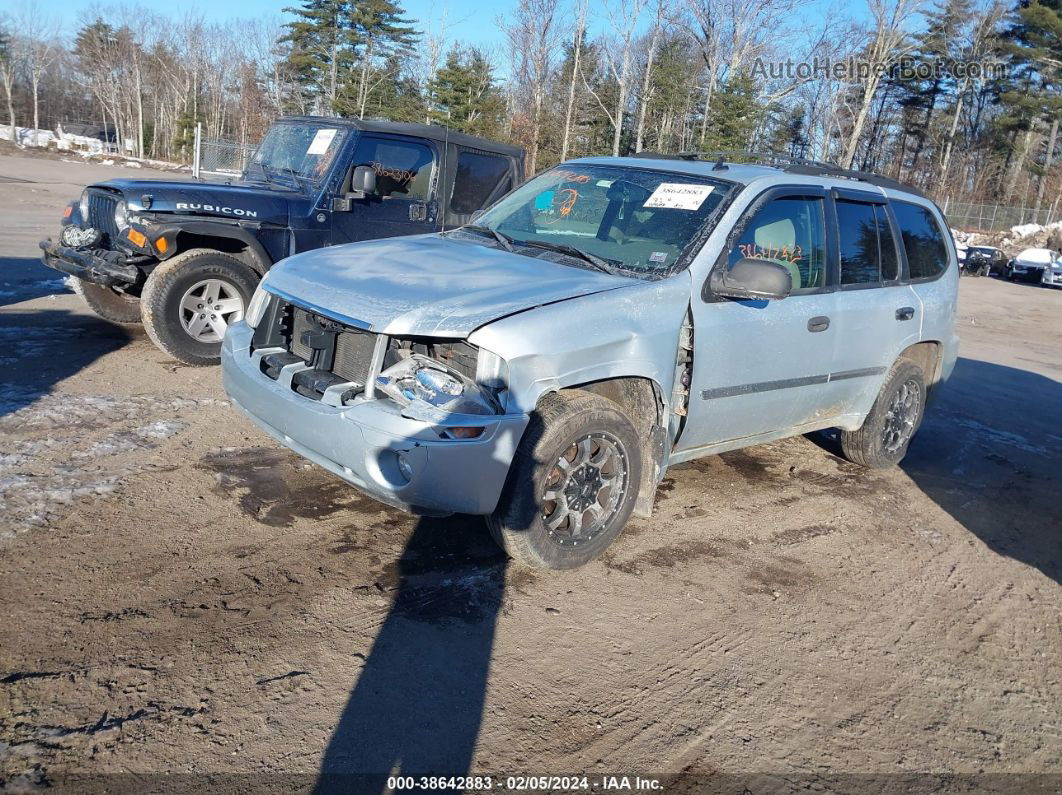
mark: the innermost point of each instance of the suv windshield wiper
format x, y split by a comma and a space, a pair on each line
505, 241
572, 251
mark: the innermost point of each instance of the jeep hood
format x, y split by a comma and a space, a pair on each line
428, 285
237, 199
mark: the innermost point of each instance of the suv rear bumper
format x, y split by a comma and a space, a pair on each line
361, 443
89, 266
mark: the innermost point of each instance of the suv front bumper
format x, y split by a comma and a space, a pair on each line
361, 443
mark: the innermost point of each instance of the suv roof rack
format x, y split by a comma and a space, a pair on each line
788, 164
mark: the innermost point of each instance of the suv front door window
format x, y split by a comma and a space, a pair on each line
403, 202
762, 366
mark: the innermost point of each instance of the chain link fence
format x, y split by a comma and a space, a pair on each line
223, 157
971, 217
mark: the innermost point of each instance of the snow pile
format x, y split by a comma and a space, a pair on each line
27, 136
62, 448
1032, 236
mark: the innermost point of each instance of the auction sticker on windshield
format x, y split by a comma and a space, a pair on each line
679, 196
320, 142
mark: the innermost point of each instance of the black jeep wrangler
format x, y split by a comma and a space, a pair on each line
184, 257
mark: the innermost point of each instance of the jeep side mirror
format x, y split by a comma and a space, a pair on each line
362, 182
752, 278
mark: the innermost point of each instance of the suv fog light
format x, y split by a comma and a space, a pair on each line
462, 432
404, 467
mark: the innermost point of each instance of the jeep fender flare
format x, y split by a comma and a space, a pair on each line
250, 251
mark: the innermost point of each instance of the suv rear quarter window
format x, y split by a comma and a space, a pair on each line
923, 240
478, 175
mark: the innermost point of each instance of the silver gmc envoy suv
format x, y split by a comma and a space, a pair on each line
545, 365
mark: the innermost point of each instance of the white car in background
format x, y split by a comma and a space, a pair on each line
1034, 265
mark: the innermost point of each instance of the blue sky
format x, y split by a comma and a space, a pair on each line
468, 21
471, 20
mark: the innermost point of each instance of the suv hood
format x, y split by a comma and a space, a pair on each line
239, 200
428, 285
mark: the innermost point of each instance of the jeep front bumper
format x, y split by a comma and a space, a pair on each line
114, 271
393, 459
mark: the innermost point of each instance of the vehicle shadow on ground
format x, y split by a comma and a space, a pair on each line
24, 278
40, 349
418, 702
990, 454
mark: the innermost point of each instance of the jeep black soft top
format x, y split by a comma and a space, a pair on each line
184, 257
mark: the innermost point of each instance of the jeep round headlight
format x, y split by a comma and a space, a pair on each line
121, 215
83, 206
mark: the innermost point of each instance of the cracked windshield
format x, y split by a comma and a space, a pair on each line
615, 219
296, 152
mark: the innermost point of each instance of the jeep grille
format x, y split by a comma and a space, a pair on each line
101, 213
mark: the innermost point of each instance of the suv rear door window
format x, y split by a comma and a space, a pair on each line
403, 168
789, 231
868, 250
927, 253
477, 177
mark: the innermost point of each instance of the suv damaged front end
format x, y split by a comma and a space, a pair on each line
410, 421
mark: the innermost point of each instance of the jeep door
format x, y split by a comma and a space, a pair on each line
404, 202
763, 366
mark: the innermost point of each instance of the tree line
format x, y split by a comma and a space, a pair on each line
959, 97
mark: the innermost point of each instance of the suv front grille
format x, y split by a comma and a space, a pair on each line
338, 353
101, 213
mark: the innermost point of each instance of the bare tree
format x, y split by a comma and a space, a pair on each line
888, 42
534, 35
577, 51
654, 42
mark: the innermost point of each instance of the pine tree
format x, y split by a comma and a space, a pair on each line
736, 112
465, 96
322, 48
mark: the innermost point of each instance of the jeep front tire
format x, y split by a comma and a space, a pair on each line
108, 303
572, 483
190, 300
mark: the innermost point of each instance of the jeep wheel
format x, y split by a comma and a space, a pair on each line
189, 302
108, 303
893, 419
572, 484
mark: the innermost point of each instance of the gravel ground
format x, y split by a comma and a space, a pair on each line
180, 595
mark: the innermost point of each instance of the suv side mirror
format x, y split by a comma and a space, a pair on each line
362, 182
752, 278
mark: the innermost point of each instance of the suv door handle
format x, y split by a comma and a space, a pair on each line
905, 313
820, 323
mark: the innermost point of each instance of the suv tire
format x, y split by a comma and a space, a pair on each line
893, 420
584, 430
187, 282
108, 303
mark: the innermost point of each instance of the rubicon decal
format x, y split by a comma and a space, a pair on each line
214, 208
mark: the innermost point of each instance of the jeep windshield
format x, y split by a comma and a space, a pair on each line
631, 221
296, 154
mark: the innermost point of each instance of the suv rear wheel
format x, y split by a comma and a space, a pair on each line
189, 302
572, 484
108, 303
893, 420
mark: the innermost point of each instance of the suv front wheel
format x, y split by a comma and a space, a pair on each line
893, 419
572, 484
189, 302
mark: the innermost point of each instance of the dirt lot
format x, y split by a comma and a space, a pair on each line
181, 595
